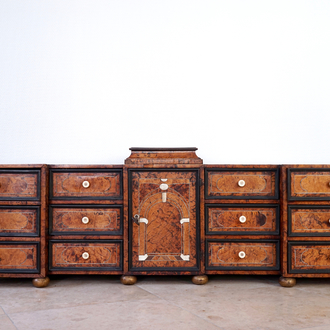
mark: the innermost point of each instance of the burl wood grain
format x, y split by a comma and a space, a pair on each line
310, 221
226, 254
102, 220
310, 257
18, 220
310, 184
101, 255
227, 219
18, 185
259, 183
102, 184
168, 239
18, 256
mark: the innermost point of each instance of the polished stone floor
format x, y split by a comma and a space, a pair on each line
100, 302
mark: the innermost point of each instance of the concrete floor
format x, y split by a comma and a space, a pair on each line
226, 302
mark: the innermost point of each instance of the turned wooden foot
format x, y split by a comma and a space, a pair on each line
200, 279
128, 279
40, 282
287, 282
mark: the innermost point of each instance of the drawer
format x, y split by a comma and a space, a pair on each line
84, 220
85, 255
19, 184
19, 257
19, 220
304, 184
86, 185
309, 220
309, 257
232, 219
242, 255
241, 184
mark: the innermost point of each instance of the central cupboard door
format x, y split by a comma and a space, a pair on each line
164, 223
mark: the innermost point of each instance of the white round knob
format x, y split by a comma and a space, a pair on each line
329, 220
85, 184
85, 220
241, 183
85, 255
242, 219
241, 254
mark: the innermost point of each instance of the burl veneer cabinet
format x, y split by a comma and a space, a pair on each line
23, 214
306, 222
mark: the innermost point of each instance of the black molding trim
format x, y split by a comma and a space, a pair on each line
23, 207
83, 232
277, 242
85, 170
242, 206
198, 252
19, 171
19, 270
306, 271
98, 269
306, 169
247, 196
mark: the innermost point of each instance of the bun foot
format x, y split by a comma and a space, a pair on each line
200, 279
128, 279
40, 282
287, 282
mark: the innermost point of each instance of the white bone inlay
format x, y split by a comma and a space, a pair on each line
164, 180
164, 197
163, 186
144, 220
143, 257
184, 257
183, 220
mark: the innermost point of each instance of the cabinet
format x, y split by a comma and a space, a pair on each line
306, 222
23, 219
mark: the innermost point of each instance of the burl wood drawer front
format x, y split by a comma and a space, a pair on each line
80, 255
241, 184
309, 220
235, 219
19, 257
309, 257
106, 220
308, 184
86, 184
242, 255
18, 185
19, 221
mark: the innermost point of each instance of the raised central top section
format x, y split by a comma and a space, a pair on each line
163, 156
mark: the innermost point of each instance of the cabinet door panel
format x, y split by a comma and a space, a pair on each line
164, 234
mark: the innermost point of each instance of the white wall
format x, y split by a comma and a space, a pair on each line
244, 81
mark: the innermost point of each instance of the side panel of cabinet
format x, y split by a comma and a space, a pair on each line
164, 235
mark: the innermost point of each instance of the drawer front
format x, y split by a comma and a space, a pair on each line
86, 185
18, 185
105, 220
246, 255
19, 221
308, 185
80, 255
242, 184
309, 257
234, 219
19, 257
309, 221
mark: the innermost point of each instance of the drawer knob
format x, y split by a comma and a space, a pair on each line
242, 219
241, 183
85, 255
85, 184
85, 220
242, 254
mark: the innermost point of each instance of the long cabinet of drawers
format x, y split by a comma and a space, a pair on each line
163, 212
